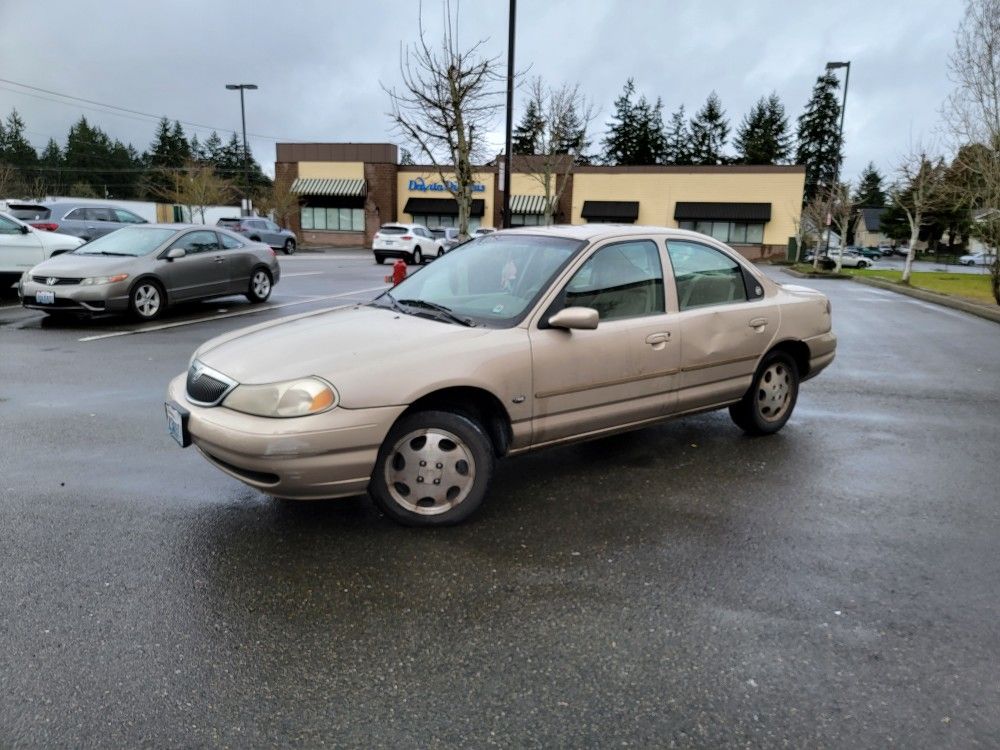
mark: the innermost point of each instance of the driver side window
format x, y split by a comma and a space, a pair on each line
198, 242
624, 280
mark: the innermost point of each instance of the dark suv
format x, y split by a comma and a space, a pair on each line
261, 230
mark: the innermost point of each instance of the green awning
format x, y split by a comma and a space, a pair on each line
527, 204
306, 186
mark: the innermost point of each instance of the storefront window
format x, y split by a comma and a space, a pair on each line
527, 220
733, 232
444, 220
333, 219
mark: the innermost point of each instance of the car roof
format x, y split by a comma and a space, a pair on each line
594, 232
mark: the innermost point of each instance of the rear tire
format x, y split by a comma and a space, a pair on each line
768, 404
380, 259
289, 247
433, 469
260, 286
417, 257
147, 300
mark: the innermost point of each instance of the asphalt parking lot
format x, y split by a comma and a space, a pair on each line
835, 585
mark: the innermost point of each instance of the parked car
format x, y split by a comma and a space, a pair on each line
23, 246
86, 221
513, 342
851, 260
411, 242
978, 259
447, 235
868, 252
144, 269
825, 261
262, 230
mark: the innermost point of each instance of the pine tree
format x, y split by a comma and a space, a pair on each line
529, 131
213, 148
763, 136
709, 130
870, 193
198, 152
619, 143
405, 157
570, 133
677, 146
819, 142
651, 140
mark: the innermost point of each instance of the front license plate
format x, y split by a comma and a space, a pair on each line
45, 298
177, 424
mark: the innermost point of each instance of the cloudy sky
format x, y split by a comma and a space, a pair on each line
319, 64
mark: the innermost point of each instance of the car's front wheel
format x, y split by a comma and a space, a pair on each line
417, 257
769, 402
289, 246
260, 286
433, 469
147, 300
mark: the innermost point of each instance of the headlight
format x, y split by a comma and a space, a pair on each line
104, 279
294, 398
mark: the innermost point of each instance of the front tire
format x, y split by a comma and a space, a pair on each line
289, 247
260, 286
147, 300
433, 469
768, 404
416, 257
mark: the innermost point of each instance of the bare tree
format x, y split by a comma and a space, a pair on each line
814, 220
448, 101
565, 115
973, 113
918, 190
279, 201
841, 212
197, 187
10, 181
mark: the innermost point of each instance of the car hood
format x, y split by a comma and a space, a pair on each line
353, 343
57, 241
74, 264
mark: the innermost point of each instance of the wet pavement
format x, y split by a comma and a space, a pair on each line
835, 585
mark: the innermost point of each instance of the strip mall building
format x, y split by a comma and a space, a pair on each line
347, 190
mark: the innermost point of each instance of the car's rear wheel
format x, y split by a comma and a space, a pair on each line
440, 251
416, 257
380, 259
289, 246
260, 286
433, 469
147, 300
768, 404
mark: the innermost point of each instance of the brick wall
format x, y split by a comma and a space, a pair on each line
334, 239
380, 203
286, 173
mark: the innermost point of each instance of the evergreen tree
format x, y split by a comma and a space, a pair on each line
651, 140
709, 130
213, 148
870, 193
819, 143
677, 148
15, 149
528, 133
763, 137
86, 155
570, 133
198, 152
636, 135
405, 157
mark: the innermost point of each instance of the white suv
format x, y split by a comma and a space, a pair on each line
411, 242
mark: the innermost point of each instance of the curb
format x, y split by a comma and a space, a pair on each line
800, 275
982, 311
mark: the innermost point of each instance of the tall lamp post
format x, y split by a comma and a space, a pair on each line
510, 115
241, 87
840, 147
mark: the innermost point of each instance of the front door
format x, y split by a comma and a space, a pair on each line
724, 328
18, 251
202, 272
622, 372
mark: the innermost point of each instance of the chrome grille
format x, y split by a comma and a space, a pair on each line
206, 386
52, 281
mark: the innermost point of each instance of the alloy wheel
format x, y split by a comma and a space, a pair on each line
261, 284
146, 300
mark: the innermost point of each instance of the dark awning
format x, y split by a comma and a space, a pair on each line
610, 210
445, 206
723, 211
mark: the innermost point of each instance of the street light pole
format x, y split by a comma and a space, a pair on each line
241, 87
840, 148
510, 116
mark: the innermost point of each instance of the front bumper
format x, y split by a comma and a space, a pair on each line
97, 299
327, 455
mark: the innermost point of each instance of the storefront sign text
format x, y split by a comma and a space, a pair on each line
420, 185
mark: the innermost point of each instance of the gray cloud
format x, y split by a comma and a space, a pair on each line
319, 64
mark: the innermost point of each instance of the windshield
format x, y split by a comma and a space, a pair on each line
128, 241
492, 280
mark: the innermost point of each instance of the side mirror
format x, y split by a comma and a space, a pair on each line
175, 252
583, 318
25, 229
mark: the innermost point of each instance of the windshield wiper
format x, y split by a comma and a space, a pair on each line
440, 309
105, 252
392, 302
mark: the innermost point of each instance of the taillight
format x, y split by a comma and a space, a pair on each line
406, 237
48, 227
273, 254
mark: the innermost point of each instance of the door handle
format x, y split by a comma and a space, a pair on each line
758, 324
658, 340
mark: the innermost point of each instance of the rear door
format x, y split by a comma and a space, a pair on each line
18, 251
202, 272
240, 260
100, 221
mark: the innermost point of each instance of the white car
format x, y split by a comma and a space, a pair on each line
978, 259
411, 242
851, 260
23, 247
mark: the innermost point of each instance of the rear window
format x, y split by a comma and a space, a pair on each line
226, 222
26, 212
392, 229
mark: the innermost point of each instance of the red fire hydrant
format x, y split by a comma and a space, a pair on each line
398, 272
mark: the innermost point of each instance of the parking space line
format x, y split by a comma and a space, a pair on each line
302, 273
209, 319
